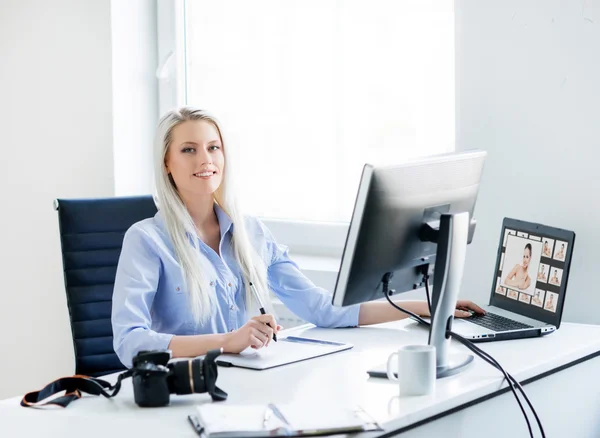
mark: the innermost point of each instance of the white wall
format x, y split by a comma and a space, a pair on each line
56, 124
528, 92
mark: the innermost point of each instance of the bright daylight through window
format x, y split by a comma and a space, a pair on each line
310, 90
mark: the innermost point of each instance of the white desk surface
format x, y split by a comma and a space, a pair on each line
337, 379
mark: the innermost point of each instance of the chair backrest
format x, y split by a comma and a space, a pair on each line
91, 236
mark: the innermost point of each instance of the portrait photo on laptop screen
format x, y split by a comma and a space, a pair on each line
521, 263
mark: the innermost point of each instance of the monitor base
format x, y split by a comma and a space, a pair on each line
457, 363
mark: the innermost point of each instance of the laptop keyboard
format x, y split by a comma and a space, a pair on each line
496, 322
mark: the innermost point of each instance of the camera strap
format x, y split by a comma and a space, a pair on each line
73, 386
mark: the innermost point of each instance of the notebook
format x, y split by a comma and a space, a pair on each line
221, 420
287, 350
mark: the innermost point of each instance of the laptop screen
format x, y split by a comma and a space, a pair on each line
532, 270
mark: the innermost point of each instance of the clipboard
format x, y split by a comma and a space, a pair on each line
287, 350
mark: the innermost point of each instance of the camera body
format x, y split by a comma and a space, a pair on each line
155, 379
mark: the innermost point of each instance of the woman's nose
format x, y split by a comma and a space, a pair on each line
204, 158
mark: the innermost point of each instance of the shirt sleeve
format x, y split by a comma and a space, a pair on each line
300, 295
136, 283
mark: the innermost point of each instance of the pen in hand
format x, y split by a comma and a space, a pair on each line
262, 307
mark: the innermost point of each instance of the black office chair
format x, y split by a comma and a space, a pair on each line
91, 235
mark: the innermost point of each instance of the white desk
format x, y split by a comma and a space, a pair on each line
567, 401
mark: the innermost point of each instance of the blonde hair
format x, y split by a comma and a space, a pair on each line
181, 227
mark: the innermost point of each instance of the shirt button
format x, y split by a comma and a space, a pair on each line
229, 285
177, 289
212, 283
232, 307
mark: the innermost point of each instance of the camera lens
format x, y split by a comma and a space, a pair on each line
187, 377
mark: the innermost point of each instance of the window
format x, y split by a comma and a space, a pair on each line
309, 90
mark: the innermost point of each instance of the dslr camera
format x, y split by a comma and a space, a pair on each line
155, 379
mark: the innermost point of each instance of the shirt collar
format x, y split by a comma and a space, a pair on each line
225, 222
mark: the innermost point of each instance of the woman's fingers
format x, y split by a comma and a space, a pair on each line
256, 340
267, 319
273, 323
461, 313
267, 324
263, 328
465, 304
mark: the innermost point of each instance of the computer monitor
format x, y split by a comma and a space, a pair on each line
412, 220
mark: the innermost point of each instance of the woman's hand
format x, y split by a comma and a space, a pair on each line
464, 309
255, 333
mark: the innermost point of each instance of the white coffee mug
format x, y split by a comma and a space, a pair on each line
416, 369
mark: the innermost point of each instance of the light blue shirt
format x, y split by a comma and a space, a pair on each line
150, 301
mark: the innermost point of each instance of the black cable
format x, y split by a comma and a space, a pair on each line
422, 321
512, 382
408, 312
475, 349
489, 359
426, 279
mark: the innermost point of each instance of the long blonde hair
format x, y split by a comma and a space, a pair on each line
180, 224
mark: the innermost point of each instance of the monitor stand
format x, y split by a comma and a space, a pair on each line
452, 234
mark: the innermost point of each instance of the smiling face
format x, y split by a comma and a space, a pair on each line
195, 159
526, 257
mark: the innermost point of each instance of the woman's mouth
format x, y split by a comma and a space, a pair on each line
205, 175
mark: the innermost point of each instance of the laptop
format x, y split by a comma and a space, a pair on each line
529, 286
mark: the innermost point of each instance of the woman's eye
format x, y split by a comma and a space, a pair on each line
186, 150
214, 147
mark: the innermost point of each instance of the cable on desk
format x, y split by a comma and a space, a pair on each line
513, 383
475, 349
426, 278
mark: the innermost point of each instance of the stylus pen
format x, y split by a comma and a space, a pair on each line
262, 307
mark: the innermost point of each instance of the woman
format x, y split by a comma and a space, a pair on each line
554, 279
183, 275
550, 303
519, 276
546, 249
560, 255
542, 274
